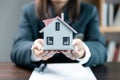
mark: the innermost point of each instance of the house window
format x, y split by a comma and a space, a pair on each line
66, 40
49, 40
57, 26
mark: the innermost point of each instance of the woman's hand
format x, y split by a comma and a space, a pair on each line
39, 52
78, 52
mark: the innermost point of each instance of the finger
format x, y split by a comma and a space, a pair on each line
77, 48
69, 55
41, 41
64, 51
82, 52
75, 53
48, 55
76, 42
44, 54
61, 51
56, 51
79, 54
52, 53
45, 58
38, 53
39, 46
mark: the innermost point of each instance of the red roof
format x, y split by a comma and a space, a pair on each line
48, 21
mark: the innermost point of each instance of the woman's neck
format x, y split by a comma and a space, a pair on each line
59, 5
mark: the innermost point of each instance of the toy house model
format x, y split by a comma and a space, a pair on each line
58, 35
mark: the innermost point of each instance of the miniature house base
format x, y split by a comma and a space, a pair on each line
52, 48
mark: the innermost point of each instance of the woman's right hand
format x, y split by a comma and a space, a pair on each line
39, 52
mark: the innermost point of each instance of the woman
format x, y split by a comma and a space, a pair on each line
27, 48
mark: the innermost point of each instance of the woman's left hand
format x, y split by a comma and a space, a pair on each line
78, 52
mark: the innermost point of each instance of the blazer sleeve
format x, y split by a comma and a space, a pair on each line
21, 51
95, 41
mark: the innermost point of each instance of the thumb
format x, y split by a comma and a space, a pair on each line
40, 41
37, 46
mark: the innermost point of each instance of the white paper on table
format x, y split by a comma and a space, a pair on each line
64, 71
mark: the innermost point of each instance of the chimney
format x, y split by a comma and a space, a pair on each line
62, 16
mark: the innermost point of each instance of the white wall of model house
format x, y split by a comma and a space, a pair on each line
57, 36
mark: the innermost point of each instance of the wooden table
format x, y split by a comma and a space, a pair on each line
108, 71
8, 71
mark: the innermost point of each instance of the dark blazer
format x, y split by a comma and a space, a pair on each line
30, 24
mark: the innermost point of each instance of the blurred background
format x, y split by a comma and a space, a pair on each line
109, 13
10, 11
